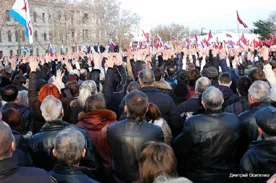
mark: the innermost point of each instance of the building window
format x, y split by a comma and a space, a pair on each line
1, 54
0, 36
23, 36
16, 35
49, 19
43, 17
35, 35
72, 16
37, 51
8, 15
35, 15
45, 37
18, 52
11, 53
85, 18
73, 35
9, 36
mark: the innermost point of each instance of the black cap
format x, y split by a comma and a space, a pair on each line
266, 120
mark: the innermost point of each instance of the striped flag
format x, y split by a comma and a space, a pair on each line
240, 21
26, 49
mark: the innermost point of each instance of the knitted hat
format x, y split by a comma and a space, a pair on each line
210, 72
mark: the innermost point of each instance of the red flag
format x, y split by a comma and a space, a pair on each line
240, 21
188, 41
196, 38
243, 39
210, 35
205, 42
272, 41
147, 36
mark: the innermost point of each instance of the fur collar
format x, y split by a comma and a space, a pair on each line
101, 113
162, 85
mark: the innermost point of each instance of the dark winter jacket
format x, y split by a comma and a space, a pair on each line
42, 144
207, 149
25, 114
260, 158
65, 174
126, 139
228, 95
239, 106
249, 127
10, 172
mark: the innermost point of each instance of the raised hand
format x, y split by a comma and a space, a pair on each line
33, 63
58, 79
119, 59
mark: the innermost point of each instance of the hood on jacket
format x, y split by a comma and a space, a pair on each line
162, 85
226, 91
96, 120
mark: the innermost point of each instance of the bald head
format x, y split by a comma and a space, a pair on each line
6, 141
146, 77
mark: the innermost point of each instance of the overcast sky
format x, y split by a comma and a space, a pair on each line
211, 14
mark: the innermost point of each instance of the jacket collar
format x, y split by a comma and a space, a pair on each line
64, 169
259, 105
54, 125
149, 89
7, 167
101, 114
209, 111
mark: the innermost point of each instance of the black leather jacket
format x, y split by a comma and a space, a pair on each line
249, 127
259, 159
206, 150
126, 139
42, 144
70, 174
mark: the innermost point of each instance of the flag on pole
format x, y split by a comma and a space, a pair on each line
26, 49
196, 37
210, 36
111, 45
166, 46
243, 39
240, 21
21, 12
147, 36
51, 51
228, 35
172, 38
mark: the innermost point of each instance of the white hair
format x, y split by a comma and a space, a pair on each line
87, 88
23, 98
213, 98
165, 179
202, 83
260, 91
51, 108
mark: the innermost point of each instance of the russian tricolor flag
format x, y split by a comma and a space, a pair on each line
51, 51
21, 12
111, 45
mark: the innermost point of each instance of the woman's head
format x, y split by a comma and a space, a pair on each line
87, 88
156, 158
94, 102
46, 90
153, 113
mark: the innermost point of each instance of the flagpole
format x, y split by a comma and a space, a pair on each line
238, 29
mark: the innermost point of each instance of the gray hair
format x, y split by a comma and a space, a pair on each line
69, 146
260, 91
51, 108
6, 139
87, 88
213, 98
23, 98
202, 83
146, 76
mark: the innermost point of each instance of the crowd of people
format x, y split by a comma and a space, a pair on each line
180, 115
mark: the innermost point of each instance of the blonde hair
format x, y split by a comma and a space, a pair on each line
87, 88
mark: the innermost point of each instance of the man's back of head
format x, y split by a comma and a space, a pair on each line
6, 141
201, 84
51, 109
243, 85
69, 146
258, 92
225, 79
136, 105
9, 94
212, 99
146, 78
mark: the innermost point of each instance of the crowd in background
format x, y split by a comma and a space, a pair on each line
178, 115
